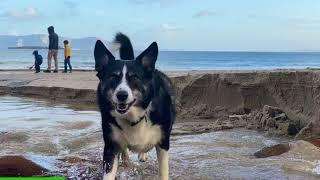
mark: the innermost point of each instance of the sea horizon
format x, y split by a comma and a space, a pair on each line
178, 60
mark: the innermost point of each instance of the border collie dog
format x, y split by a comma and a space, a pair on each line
137, 105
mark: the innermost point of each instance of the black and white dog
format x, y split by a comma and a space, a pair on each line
137, 105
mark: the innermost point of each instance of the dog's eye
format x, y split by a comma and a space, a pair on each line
113, 76
134, 77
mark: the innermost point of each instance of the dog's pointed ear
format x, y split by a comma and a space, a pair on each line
149, 57
102, 56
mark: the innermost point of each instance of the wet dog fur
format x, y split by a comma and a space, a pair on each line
137, 105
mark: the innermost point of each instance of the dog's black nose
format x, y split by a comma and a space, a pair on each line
122, 95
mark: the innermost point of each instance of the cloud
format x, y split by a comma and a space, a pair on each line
71, 7
26, 13
204, 13
169, 27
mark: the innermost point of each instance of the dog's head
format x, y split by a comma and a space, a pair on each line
126, 84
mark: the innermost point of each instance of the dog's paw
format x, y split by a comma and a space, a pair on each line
142, 157
125, 158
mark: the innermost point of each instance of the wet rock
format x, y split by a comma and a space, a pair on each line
272, 111
285, 128
315, 142
19, 166
292, 129
272, 151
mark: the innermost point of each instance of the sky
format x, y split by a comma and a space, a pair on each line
205, 25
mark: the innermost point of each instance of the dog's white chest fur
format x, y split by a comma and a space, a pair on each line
139, 138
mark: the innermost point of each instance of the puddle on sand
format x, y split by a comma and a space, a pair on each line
47, 134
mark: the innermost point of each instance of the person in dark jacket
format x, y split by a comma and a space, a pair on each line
37, 61
53, 50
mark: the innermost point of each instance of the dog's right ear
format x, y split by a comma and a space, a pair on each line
102, 56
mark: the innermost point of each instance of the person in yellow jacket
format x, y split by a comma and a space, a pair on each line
67, 56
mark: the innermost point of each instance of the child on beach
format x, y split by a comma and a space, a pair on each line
67, 56
37, 61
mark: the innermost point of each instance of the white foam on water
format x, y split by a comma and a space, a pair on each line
316, 170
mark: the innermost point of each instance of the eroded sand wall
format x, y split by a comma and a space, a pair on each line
216, 95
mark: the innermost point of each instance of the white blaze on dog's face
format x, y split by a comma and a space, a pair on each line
122, 96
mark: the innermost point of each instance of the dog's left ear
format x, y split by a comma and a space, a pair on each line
102, 56
149, 57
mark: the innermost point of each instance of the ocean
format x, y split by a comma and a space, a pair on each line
179, 60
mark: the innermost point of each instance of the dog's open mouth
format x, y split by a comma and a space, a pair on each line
124, 107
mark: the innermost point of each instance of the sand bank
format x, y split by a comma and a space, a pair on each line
210, 96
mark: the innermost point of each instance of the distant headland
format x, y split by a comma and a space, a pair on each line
30, 47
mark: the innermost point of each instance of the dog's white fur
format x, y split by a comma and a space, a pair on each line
142, 157
163, 160
112, 174
139, 138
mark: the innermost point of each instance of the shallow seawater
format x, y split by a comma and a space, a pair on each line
48, 135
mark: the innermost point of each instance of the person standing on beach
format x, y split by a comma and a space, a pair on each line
67, 56
37, 61
53, 50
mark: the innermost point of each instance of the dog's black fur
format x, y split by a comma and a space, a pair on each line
155, 87
126, 49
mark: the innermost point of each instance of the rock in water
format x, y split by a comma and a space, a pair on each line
19, 166
272, 151
315, 142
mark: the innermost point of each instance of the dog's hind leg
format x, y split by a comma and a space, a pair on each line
143, 157
125, 157
163, 161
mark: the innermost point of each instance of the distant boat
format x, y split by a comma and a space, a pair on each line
30, 47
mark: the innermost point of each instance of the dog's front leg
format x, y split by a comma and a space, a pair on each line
110, 163
110, 168
163, 161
